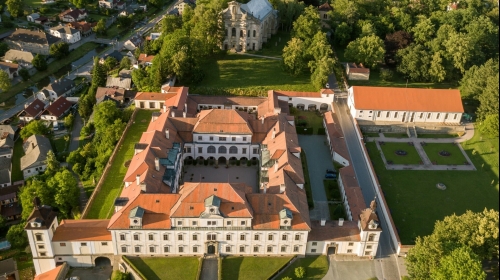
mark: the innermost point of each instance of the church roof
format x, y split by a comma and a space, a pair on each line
258, 8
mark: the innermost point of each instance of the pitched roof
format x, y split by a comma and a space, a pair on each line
325, 7
119, 82
258, 8
52, 274
82, 230
143, 58
35, 108
36, 148
407, 99
222, 121
83, 26
65, 29
42, 214
114, 93
7, 136
74, 13
7, 66
116, 54
19, 56
28, 36
136, 40
226, 100
336, 134
61, 86
331, 231
5, 171
9, 192
58, 107
358, 68
352, 190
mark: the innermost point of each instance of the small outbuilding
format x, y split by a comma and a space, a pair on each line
357, 72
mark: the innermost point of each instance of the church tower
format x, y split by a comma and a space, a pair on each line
370, 230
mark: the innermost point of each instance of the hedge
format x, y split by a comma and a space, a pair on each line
305, 130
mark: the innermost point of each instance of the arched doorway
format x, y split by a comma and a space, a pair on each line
254, 161
222, 160
311, 107
323, 107
102, 262
301, 107
243, 160
233, 160
211, 249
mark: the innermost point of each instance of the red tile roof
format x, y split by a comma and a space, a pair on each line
407, 99
145, 58
51, 274
222, 121
355, 68
82, 230
58, 107
336, 135
331, 231
35, 108
353, 191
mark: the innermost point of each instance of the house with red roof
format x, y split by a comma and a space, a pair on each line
57, 109
32, 111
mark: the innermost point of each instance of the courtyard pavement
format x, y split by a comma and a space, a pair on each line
210, 269
233, 174
94, 273
318, 161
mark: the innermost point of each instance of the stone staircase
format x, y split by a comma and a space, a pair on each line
412, 132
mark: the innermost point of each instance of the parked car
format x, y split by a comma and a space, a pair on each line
331, 171
330, 176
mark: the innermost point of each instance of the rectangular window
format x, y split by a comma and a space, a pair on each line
284, 237
211, 236
243, 223
39, 237
181, 249
244, 139
165, 237
62, 244
233, 138
244, 150
137, 249
122, 237
152, 249
228, 223
255, 151
83, 244
222, 138
297, 237
367, 253
124, 249
200, 138
179, 237
378, 114
228, 237
242, 249
41, 247
429, 115
315, 243
195, 249
179, 223
256, 237
151, 237
350, 244
421, 115
313, 250
136, 237
396, 114
387, 115
242, 237
166, 249
349, 251
438, 115
283, 249
228, 249
361, 111
43, 254
188, 150
369, 247
104, 243
269, 249
195, 237
194, 223
200, 150
270, 237
295, 249
255, 249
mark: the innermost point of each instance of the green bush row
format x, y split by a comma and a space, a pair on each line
305, 130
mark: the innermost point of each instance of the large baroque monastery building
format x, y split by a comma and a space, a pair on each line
160, 213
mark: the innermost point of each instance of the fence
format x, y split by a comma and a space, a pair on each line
383, 204
108, 166
283, 268
129, 267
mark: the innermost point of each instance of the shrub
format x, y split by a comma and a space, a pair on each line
205, 162
300, 272
286, 278
386, 75
321, 131
118, 275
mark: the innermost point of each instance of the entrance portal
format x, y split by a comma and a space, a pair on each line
331, 250
211, 249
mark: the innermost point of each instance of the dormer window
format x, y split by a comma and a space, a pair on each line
286, 217
136, 216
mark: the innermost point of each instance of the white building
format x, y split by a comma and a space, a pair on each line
35, 149
182, 4
32, 17
249, 25
405, 105
22, 58
67, 34
335, 137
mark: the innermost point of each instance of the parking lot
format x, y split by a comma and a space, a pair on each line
233, 174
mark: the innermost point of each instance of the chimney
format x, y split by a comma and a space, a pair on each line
275, 166
185, 107
341, 222
274, 132
32, 145
282, 188
157, 164
173, 114
323, 222
164, 108
26, 105
184, 114
138, 179
262, 120
167, 133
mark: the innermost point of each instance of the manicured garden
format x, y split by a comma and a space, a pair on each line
309, 120
316, 267
415, 202
102, 205
250, 268
171, 268
400, 153
437, 135
444, 153
246, 75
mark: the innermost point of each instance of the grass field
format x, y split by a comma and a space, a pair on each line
52, 68
274, 46
239, 71
18, 153
174, 268
251, 268
312, 119
390, 149
112, 185
316, 268
396, 135
415, 202
456, 157
60, 144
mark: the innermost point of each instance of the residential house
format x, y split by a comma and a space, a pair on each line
61, 87
23, 59
8, 270
37, 42
182, 4
153, 36
32, 17
119, 95
323, 10
84, 27
12, 69
5, 172
43, 21
7, 134
128, 11
144, 60
57, 109
33, 162
249, 25
10, 207
115, 54
32, 111
119, 82
357, 72
112, 4
73, 15
67, 34
174, 96
133, 43
405, 105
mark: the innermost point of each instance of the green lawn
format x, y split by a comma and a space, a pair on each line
316, 268
102, 205
32, 3
52, 68
312, 118
17, 174
437, 135
371, 134
396, 135
170, 268
60, 144
456, 157
274, 46
415, 202
310, 201
390, 149
234, 73
336, 211
250, 268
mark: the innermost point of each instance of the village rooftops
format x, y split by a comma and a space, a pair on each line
65, 29
36, 37
336, 134
35, 148
58, 107
358, 68
352, 190
61, 86
35, 108
19, 56
407, 99
222, 121
82, 230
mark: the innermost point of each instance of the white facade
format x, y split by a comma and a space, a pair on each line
41, 249
305, 103
221, 145
34, 170
70, 38
80, 253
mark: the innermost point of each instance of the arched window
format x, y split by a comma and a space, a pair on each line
211, 150
248, 33
371, 237
222, 150
254, 33
225, 32
241, 33
233, 150
233, 32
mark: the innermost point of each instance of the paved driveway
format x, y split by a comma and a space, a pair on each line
318, 160
75, 133
209, 270
233, 174
353, 270
95, 273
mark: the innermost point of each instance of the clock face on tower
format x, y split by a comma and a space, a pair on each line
136, 221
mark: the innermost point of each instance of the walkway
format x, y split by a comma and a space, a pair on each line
259, 56
318, 161
210, 269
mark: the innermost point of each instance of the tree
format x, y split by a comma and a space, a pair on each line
488, 100
2, 221
320, 71
124, 21
39, 62
477, 231
394, 42
35, 188
294, 60
5, 82
170, 23
461, 263
79, 3
52, 164
368, 50
35, 127
342, 34
105, 113
3, 48
98, 74
100, 27
475, 79
437, 72
424, 31
489, 126
86, 105
66, 191
414, 62
125, 63
118, 275
68, 121
15, 7
110, 63
300, 272
59, 50
25, 74
307, 25
17, 236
